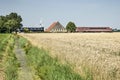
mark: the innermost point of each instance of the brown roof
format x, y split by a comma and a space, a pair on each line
93, 29
51, 26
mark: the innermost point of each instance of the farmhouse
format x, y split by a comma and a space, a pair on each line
32, 29
93, 29
56, 27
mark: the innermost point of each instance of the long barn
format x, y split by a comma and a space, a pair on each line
93, 29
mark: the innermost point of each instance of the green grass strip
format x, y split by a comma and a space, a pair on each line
9, 63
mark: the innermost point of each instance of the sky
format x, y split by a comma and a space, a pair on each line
84, 13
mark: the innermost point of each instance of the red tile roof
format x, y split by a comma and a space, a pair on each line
93, 29
51, 26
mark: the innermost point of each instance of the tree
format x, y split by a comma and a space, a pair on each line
2, 21
10, 22
11, 25
71, 27
26, 30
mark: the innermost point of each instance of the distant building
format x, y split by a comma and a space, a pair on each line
93, 29
32, 29
56, 27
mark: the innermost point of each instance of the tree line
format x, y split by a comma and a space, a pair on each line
10, 23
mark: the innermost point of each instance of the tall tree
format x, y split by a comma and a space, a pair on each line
11, 25
10, 22
71, 27
14, 21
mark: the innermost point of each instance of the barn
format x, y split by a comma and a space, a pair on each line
93, 29
56, 27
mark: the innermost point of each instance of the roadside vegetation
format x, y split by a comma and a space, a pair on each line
46, 67
95, 56
8, 62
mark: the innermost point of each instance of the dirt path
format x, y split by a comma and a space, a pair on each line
25, 72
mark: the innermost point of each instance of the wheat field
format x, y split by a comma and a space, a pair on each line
95, 55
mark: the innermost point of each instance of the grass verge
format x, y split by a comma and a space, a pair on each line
9, 62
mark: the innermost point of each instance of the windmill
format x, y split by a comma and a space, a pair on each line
41, 23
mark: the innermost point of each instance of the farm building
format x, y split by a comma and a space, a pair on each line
32, 29
93, 29
56, 27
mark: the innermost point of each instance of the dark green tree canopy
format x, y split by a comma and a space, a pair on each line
10, 23
71, 27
